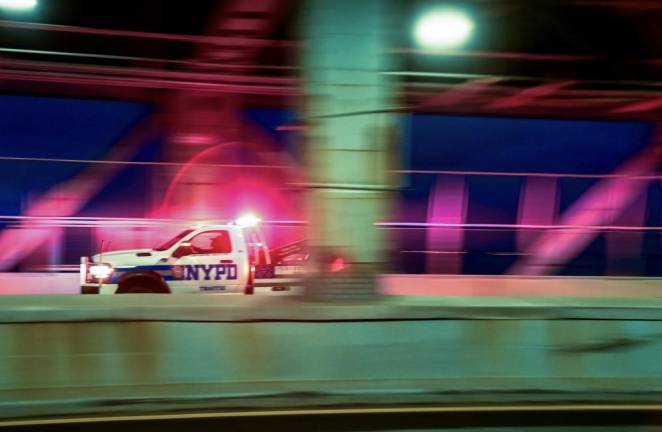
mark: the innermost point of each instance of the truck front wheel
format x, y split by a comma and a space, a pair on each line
141, 285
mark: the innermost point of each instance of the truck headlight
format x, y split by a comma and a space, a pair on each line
101, 271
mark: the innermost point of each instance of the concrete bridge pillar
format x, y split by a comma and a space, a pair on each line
350, 136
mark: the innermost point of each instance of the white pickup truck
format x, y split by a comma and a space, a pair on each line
232, 258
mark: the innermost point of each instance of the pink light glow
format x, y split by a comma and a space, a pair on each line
447, 205
167, 198
337, 265
232, 193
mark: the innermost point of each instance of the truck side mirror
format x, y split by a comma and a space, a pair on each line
183, 249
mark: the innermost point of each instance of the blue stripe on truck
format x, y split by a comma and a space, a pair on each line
164, 270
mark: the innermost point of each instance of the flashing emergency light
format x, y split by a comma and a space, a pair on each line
443, 29
248, 220
337, 265
18, 4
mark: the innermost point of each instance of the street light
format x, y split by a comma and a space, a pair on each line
18, 4
443, 29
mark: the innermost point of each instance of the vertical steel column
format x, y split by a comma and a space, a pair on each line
538, 205
624, 248
349, 134
447, 205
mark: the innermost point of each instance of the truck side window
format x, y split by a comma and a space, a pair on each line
212, 242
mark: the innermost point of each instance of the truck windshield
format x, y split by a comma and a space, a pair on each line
172, 241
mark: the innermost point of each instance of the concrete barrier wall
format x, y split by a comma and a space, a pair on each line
39, 283
461, 285
99, 365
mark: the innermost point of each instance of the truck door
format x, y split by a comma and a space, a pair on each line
212, 265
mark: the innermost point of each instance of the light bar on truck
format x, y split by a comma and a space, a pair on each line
248, 220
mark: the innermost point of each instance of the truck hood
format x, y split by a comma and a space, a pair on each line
130, 257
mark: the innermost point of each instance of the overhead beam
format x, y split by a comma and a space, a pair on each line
144, 72
144, 82
206, 39
253, 19
505, 55
460, 93
637, 107
530, 95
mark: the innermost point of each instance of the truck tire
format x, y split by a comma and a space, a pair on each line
142, 285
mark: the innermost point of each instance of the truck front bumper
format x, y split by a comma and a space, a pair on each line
90, 288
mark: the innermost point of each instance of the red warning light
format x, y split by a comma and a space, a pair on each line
337, 265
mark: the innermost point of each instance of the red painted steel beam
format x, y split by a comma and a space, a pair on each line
144, 72
530, 95
506, 55
150, 83
460, 93
203, 39
254, 19
645, 105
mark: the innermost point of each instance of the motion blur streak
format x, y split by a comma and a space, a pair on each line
68, 198
601, 204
